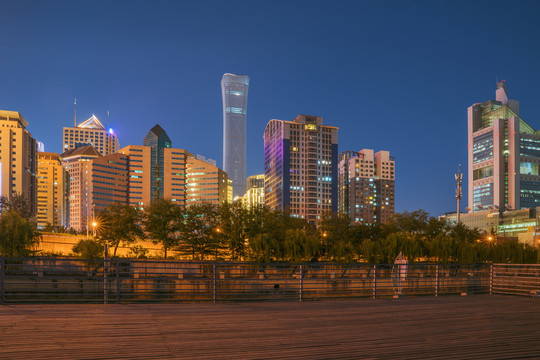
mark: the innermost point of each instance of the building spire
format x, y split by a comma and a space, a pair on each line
75, 114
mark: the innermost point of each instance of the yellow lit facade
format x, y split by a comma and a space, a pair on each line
91, 132
52, 192
255, 193
207, 183
18, 157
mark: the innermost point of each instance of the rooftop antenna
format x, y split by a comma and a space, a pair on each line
75, 115
108, 114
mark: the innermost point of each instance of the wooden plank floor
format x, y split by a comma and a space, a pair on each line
450, 327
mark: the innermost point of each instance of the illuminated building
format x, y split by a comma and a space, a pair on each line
52, 191
366, 185
300, 167
503, 156
95, 182
18, 158
91, 132
139, 174
158, 140
234, 91
156, 170
207, 184
255, 193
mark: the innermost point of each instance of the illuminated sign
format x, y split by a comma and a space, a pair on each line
311, 127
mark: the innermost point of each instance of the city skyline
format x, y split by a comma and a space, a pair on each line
399, 74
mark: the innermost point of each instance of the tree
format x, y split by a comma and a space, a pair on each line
119, 223
17, 234
198, 231
17, 203
88, 249
161, 221
336, 237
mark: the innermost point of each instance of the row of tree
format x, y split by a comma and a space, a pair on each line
234, 232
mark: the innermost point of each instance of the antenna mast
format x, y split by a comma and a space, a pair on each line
459, 195
108, 113
75, 114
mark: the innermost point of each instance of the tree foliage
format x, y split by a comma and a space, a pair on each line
17, 234
119, 224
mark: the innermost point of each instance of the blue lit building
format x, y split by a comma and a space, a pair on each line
234, 89
503, 156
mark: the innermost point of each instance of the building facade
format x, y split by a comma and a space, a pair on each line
207, 184
234, 91
503, 156
300, 167
157, 140
91, 132
52, 192
175, 175
255, 191
18, 158
139, 174
366, 184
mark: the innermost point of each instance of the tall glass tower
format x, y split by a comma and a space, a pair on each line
157, 139
234, 90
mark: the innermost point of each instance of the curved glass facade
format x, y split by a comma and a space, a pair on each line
234, 90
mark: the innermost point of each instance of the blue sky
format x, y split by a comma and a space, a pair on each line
392, 75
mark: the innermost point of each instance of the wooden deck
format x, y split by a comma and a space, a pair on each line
450, 327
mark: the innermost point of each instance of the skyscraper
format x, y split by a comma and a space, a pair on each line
234, 90
18, 158
300, 167
366, 186
158, 140
503, 156
91, 132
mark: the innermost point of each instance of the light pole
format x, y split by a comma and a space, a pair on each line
459, 195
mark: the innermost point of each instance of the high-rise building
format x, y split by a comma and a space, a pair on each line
207, 184
300, 167
234, 91
366, 185
18, 158
255, 191
158, 140
52, 192
503, 156
175, 175
91, 132
95, 182
139, 177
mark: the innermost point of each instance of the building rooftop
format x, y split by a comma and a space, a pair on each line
83, 151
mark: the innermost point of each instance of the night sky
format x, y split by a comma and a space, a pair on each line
392, 75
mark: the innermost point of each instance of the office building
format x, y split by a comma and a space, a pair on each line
91, 132
158, 140
255, 191
95, 182
366, 186
300, 167
175, 175
52, 192
234, 91
139, 174
207, 184
503, 156
18, 158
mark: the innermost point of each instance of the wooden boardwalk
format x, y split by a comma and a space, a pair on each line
449, 327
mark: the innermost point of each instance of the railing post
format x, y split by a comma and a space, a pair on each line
437, 281
2, 276
374, 281
491, 279
215, 283
301, 282
117, 281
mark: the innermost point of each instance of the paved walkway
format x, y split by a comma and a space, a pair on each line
449, 327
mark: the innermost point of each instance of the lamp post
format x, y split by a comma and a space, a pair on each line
459, 194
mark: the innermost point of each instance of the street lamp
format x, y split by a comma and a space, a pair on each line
94, 224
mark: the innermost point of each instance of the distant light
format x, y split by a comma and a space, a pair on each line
111, 131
